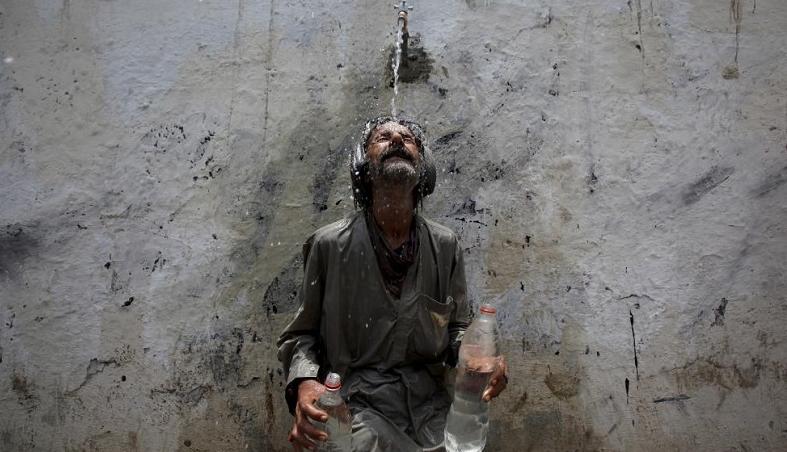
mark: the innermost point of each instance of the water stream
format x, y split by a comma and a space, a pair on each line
395, 66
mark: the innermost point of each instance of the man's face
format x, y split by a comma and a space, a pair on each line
394, 154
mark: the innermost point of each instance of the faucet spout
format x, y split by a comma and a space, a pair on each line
401, 22
403, 8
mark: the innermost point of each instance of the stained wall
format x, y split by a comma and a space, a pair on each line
615, 169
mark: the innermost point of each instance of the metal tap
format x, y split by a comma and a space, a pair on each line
403, 9
401, 20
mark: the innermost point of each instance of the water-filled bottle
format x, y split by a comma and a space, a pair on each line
468, 419
339, 423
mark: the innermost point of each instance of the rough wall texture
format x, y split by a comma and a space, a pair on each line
616, 170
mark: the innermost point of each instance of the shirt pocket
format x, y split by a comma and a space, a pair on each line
428, 338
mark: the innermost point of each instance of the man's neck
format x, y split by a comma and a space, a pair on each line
393, 211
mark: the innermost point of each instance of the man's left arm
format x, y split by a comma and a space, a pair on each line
460, 317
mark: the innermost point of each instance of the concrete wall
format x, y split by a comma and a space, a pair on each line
616, 171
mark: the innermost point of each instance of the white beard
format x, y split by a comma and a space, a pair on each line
396, 172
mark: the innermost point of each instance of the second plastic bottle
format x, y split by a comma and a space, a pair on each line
339, 423
468, 419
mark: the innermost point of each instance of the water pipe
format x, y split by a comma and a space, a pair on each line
402, 17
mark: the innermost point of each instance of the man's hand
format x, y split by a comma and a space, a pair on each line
499, 380
303, 433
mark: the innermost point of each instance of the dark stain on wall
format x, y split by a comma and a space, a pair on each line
520, 402
416, 64
325, 176
207, 364
719, 313
563, 386
164, 137
770, 183
281, 295
23, 388
16, 243
467, 207
224, 360
445, 139
702, 186
592, 179
709, 371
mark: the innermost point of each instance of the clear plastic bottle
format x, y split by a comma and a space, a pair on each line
468, 419
339, 423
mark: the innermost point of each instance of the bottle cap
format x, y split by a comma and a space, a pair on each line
488, 309
333, 381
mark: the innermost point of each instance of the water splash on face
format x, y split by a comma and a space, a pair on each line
395, 66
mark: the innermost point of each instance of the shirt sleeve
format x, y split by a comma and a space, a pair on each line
460, 318
299, 342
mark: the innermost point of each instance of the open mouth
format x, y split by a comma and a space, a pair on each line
397, 152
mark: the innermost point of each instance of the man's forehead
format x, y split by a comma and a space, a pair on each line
392, 126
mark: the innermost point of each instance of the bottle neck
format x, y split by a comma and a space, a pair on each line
487, 320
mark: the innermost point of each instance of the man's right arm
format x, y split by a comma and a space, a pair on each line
298, 352
298, 343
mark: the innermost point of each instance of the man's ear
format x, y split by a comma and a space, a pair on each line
428, 176
359, 169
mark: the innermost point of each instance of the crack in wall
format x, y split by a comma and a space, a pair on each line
736, 14
249, 383
639, 28
634, 295
641, 46
677, 398
268, 69
634, 341
95, 367
235, 51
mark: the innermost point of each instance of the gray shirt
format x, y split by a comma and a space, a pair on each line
391, 353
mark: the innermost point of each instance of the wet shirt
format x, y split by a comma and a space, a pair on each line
393, 263
391, 352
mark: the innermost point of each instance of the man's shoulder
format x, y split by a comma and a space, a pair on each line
440, 232
336, 231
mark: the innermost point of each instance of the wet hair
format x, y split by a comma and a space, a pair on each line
359, 163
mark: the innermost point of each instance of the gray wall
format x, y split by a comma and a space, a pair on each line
616, 171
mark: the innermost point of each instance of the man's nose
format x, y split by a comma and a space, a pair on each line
397, 138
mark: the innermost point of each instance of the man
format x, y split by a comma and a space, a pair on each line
383, 303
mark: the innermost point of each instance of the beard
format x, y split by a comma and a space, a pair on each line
395, 170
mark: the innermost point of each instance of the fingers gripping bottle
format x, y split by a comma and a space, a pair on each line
339, 423
468, 419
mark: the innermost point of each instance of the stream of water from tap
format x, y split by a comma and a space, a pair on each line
395, 66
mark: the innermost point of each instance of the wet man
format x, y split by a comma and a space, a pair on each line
383, 303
